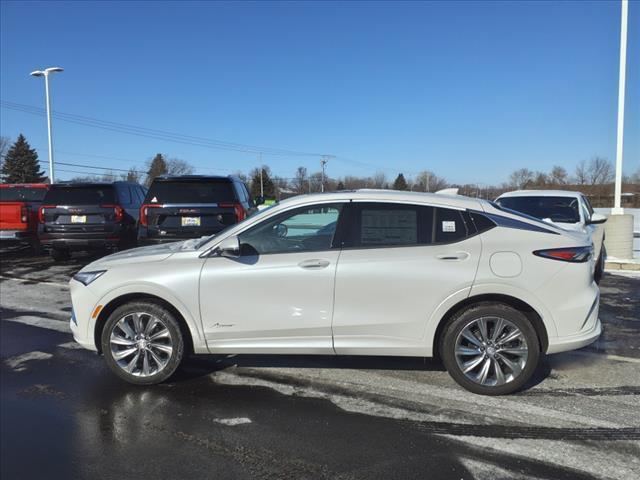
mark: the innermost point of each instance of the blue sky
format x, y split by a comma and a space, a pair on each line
470, 91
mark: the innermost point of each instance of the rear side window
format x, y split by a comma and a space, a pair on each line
124, 195
557, 209
191, 192
80, 195
395, 225
22, 194
449, 226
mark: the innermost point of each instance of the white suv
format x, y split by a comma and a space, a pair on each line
567, 209
350, 273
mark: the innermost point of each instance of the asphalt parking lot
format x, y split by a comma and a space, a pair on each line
299, 417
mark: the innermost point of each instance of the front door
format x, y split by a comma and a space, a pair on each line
277, 297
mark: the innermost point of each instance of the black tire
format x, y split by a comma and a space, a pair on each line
60, 255
176, 338
599, 272
36, 247
467, 317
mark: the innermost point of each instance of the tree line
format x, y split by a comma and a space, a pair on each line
594, 177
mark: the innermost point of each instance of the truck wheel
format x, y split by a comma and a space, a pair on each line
60, 255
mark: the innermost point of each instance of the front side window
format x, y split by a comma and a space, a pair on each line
305, 229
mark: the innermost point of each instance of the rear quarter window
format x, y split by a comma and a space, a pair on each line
80, 195
191, 192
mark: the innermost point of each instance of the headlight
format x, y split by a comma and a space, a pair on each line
87, 277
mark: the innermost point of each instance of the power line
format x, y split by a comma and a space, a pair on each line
155, 133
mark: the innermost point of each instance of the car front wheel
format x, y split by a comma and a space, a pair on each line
490, 349
142, 343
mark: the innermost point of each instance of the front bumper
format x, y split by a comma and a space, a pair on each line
83, 303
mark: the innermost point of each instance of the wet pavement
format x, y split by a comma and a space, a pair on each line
63, 414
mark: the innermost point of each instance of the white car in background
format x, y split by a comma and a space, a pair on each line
566, 209
350, 273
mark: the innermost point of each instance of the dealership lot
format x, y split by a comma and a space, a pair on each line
301, 416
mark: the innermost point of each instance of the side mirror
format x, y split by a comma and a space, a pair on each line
258, 201
229, 247
596, 219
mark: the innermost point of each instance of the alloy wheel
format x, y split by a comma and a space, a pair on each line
491, 351
141, 344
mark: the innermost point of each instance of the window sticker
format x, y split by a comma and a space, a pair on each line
154, 200
448, 226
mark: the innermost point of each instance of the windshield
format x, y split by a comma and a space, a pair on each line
260, 213
556, 209
22, 194
206, 191
83, 195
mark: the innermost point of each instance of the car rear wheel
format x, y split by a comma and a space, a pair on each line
142, 343
490, 349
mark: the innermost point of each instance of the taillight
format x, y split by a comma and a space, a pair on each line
570, 254
144, 211
41, 212
118, 211
237, 208
24, 214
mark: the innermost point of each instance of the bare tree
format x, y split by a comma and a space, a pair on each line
582, 176
379, 180
558, 175
300, 184
521, 178
600, 171
176, 166
429, 182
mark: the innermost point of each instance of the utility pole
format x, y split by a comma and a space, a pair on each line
617, 208
45, 73
323, 163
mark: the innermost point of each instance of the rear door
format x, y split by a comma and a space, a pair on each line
80, 209
398, 263
190, 208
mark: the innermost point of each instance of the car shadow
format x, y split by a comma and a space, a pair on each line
200, 365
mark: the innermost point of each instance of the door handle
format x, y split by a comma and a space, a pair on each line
453, 256
315, 263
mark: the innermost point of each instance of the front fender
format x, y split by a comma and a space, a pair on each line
156, 290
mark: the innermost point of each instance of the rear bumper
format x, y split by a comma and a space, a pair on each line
574, 342
79, 241
16, 235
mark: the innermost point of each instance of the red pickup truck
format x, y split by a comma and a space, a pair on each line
19, 212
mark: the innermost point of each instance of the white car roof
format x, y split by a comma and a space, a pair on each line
456, 201
541, 193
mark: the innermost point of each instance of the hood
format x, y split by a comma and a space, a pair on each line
153, 253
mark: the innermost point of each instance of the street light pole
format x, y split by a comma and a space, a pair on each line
45, 73
617, 209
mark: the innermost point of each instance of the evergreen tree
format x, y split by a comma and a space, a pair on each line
400, 183
21, 164
157, 167
340, 186
268, 186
